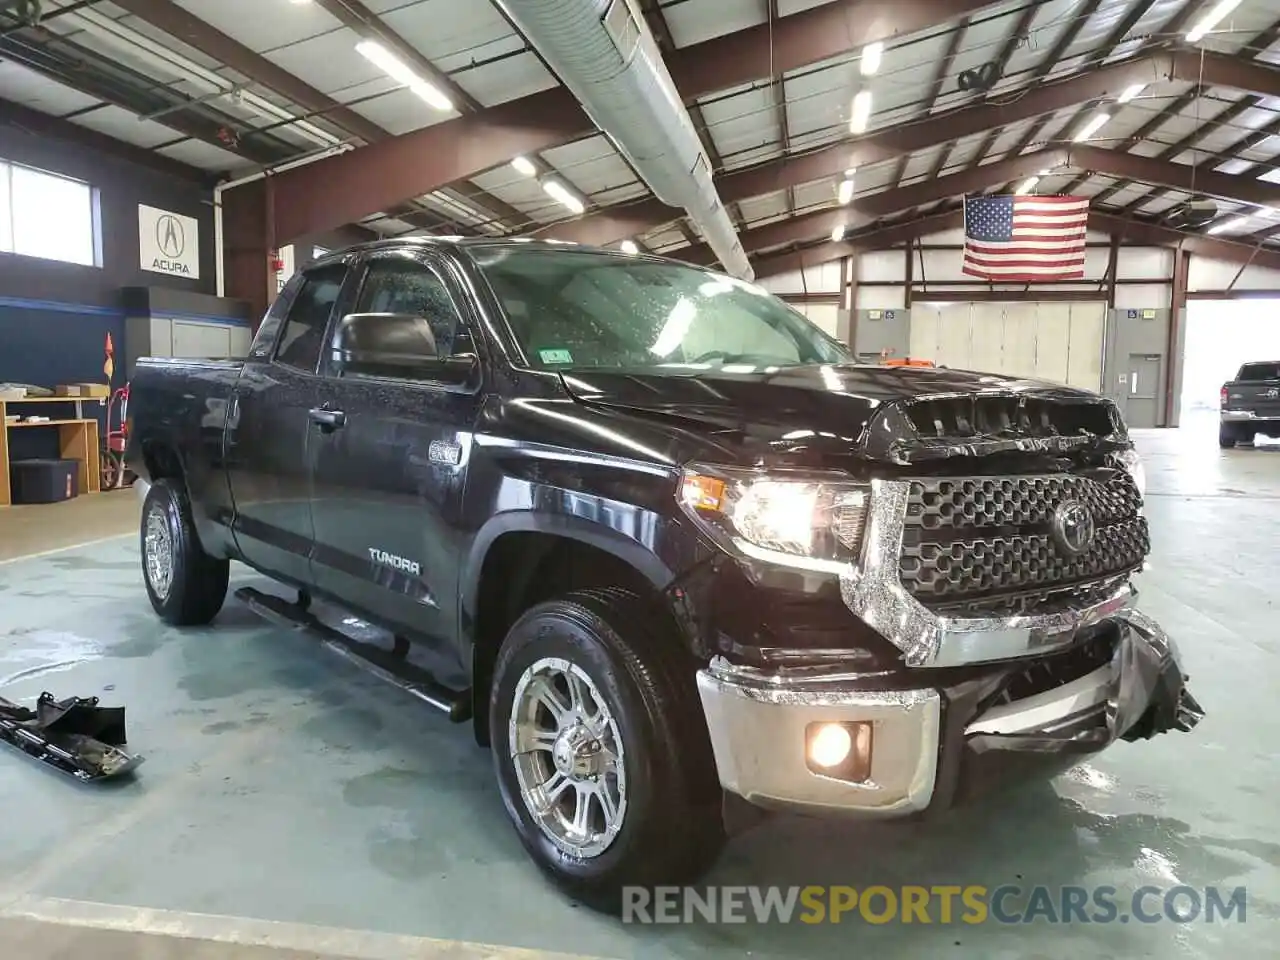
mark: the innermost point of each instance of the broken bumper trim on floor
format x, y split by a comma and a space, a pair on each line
75, 735
761, 723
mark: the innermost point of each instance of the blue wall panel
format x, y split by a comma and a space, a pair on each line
51, 343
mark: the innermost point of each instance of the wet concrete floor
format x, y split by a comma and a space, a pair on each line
287, 795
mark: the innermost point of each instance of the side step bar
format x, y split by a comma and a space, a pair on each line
382, 664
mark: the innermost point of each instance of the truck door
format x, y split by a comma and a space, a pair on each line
387, 478
270, 426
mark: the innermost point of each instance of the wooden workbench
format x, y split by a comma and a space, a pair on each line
77, 440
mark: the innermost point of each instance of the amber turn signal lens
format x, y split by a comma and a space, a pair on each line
703, 493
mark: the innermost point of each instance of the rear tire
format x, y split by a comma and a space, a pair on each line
644, 745
1227, 436
186, 586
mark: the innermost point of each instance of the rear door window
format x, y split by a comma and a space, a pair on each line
308, 319
1260, 371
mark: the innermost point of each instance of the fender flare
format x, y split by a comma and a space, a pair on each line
565, 526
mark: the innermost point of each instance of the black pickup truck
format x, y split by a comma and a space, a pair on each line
1250, 404
683, 550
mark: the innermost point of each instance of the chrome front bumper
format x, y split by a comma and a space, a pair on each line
758, 722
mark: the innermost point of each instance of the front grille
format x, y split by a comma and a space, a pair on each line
986, 544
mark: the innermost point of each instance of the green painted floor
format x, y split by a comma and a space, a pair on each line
287, 796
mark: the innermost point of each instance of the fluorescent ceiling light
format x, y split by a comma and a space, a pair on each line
402, 73
860, 112
628, 246
837, 232
1239, 223
844, 192
557, 191
1028, 185
1211, 19
524, 166
1130, 92
872, 54
1093, 126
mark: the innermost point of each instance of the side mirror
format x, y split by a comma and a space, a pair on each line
397, 345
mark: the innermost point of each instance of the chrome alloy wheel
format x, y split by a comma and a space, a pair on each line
158, 552
568, 757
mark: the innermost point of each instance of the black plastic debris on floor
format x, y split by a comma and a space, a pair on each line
74, 735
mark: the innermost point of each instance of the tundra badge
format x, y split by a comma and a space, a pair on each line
397, 563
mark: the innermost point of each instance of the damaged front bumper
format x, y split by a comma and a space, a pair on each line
74, 735
917, 748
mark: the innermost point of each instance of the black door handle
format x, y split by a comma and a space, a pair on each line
328, 420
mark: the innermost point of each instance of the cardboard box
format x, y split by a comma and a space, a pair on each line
82, 390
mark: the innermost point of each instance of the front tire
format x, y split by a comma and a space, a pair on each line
600, 749
186, 586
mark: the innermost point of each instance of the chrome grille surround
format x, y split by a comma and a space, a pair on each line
876, 593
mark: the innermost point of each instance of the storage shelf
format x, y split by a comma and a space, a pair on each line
53, 400
43, 423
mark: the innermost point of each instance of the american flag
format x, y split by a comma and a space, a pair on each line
1025, 239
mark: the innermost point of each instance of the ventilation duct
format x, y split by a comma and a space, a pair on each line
604, 54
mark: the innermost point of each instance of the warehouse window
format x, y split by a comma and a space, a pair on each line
48, 216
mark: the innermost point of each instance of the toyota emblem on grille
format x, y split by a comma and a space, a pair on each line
1073, 527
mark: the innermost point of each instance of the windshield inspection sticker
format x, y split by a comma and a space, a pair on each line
555, 356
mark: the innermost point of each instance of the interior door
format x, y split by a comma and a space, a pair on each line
1143, 390
269, 429
387, 482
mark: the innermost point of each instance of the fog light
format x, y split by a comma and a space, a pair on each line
831, 745
839, 750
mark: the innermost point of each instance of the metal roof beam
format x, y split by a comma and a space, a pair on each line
351, 185
882, 145
956, 124
867, 210
191, 30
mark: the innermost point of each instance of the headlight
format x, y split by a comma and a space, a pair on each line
1132, 464
805, 520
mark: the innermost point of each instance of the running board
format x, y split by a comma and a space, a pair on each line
384, 665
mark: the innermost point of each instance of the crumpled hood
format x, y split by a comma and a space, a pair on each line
847, 407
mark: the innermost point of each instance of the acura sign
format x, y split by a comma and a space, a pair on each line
168, 242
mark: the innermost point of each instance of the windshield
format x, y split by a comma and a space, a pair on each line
588, 309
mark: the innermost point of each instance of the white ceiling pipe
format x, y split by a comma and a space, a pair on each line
154, 52
219, 262
604, 54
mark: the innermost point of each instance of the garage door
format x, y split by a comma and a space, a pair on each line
1060, 342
